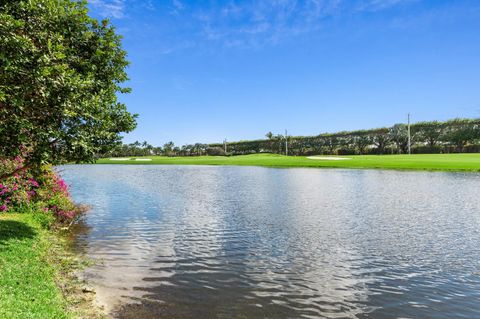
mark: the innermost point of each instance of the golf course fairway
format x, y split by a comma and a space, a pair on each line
433, 162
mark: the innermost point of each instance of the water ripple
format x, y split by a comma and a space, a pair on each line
249, 242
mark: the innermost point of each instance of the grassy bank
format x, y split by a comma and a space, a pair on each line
437, 162
36, 273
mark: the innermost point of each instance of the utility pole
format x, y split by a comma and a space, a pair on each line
286, 143
409, 137
225, 145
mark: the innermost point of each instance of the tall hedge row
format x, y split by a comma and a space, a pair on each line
453, 136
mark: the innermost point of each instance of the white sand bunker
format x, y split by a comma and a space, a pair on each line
328, 158
143, 159
120, 159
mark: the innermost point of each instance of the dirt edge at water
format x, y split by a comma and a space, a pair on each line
69, 266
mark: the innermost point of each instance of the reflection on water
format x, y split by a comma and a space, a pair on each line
251, 242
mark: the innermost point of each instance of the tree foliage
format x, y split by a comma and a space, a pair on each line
399, 135
457, 135
60, 73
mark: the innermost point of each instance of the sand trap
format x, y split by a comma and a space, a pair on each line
143, 159
328, 158
120, 159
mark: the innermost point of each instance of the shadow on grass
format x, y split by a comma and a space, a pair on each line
12, 229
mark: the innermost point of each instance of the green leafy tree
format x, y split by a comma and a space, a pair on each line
362, 142
461, 132
399, 135
60, 73
168, 148
429, 132
270, 143
381, 139
331, 144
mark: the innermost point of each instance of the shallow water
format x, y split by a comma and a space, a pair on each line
252, 242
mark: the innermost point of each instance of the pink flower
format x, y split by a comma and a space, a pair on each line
33, 182
3, 208
62, 186
31, 194
67, 215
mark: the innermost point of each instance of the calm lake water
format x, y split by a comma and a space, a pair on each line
252, 242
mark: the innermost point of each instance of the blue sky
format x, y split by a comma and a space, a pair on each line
202, 71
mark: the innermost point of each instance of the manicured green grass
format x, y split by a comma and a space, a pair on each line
27, 285
439, 162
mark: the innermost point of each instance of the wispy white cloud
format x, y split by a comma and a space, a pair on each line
178, 4
377, 5
256, 23
181, 83
440, 15
269, 22
149, 5
109, 8
247, 24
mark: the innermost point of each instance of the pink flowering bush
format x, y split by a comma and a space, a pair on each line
56, 197
18, 190
43, 191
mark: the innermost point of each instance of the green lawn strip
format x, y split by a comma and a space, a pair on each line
438, 162
27, 281
36, 273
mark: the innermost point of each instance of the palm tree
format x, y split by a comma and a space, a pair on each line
270, 136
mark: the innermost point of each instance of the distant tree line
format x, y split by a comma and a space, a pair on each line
168, 149
453, 136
